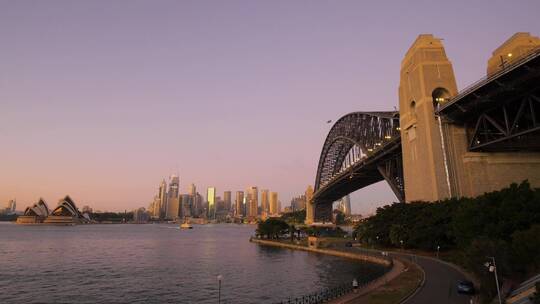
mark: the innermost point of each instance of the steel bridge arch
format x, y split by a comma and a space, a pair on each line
367, 130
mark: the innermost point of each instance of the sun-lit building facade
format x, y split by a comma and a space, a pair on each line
211, 199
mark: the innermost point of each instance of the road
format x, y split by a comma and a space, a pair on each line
440, 283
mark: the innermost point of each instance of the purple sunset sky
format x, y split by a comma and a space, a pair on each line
103, 99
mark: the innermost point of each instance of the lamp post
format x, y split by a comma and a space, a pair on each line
401, 241
438, 248
492, 267
219, 277
503, 62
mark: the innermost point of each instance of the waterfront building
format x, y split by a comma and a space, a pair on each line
274, 207
66, 213
211, 200
173, 208
252, 202
239, 204
35, 214
309, 206
227, 200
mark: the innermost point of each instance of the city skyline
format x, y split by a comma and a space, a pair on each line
100, 111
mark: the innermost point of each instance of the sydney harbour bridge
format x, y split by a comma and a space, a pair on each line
441, 143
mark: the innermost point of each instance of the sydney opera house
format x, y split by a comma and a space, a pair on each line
65, 213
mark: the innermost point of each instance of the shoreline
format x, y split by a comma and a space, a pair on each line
349, 255
397, 267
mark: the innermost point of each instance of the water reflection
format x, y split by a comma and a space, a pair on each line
157, 264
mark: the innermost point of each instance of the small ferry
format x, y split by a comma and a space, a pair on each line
186, 225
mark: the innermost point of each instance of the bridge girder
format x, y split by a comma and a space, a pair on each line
501, 113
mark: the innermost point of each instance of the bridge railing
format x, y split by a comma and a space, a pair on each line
329, 294
535, 52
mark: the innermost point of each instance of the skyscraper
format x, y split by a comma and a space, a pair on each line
173, 208
346, 205
198, 207
211, 199
161, 207
253, 202
274, 207
174, 185
265, 207
239, 204
156, 207
227, 200
192, 190
185, 205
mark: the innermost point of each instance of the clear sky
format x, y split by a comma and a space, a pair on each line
102, 99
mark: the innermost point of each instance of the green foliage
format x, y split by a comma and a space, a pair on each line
340, 217
111, 216
504, 224
272, 228
8, 217
296, 217
526, 249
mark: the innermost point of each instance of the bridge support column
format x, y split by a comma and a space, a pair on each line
310, 206
392, 171
427, 80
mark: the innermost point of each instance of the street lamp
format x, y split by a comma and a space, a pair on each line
219, 277
492, 267
438, 248
503, 62
401, 241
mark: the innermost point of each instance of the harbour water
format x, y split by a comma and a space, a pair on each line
158, 263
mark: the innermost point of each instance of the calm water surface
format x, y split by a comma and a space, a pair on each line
157, 264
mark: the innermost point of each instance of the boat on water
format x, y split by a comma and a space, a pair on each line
186, 225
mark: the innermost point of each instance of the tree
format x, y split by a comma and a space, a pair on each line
526, 249
339, 217
272, 228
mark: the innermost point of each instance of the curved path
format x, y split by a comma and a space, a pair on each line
440, 281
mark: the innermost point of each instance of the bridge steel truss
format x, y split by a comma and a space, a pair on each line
501, 113
362, 148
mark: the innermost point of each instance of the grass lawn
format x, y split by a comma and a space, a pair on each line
398, 288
